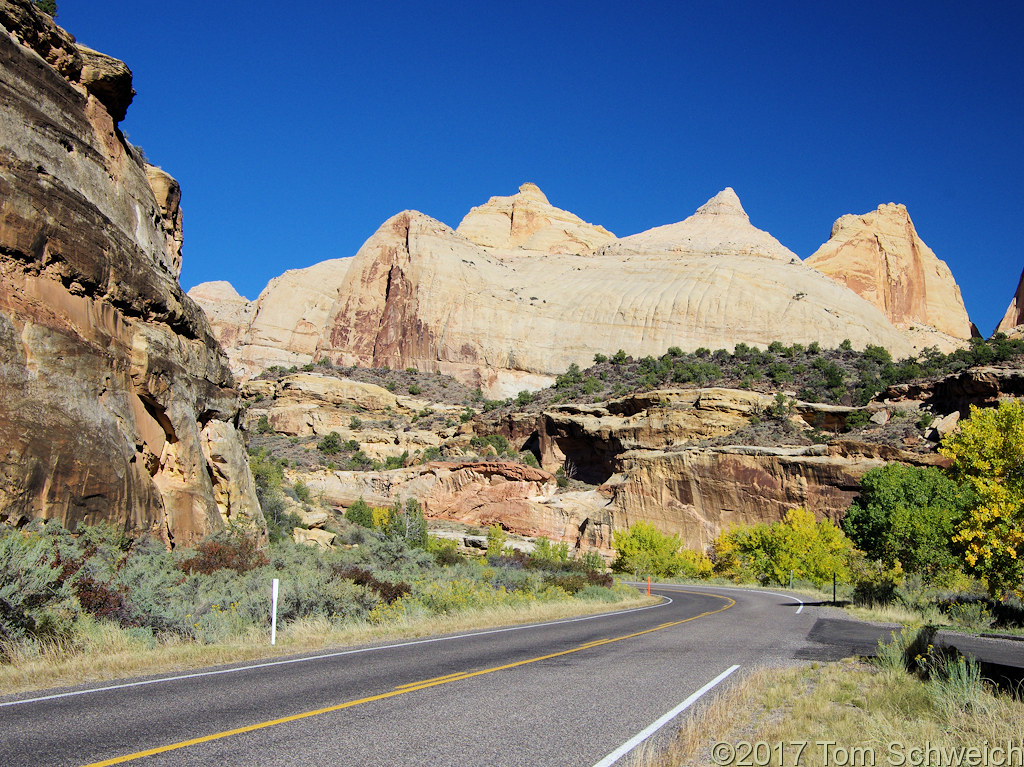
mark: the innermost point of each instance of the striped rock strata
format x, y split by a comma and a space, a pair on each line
116, 402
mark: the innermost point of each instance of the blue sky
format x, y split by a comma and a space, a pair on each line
296, 130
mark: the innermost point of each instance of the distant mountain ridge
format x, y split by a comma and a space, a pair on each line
521, 289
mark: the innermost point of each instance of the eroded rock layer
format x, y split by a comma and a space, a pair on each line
881, 257
116, 403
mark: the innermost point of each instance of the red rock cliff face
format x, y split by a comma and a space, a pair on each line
116, 403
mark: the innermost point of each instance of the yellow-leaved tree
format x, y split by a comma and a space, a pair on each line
811, 550
988, 455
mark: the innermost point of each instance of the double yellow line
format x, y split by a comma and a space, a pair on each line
403, 689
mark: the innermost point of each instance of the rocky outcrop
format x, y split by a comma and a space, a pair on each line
881, 257
116, 404
168, 200
1014, 317
528, 221
698, 492
984, 386
229, 313
310, 404
645, 457
516, 497
720, 227
283, 326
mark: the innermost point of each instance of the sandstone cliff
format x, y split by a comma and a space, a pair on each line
672, 457
881, 257
116, 402
720, 227
527, 220
282, 326
1014, 316
522, 289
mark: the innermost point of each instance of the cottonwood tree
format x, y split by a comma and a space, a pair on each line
988, 456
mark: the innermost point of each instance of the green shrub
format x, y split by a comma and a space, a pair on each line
330, 444
407, 524
48, 7
569, 378
263, 425
301, 491
34, 599
496, 539
415, 389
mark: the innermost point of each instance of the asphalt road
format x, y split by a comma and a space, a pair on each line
564, 693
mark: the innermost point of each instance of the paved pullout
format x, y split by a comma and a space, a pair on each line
563, 693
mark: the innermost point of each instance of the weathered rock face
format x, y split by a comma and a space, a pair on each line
523, 289
306, 404
1014, 317
527, 220
116, 403
881, 257
719, 227
281, 327
417, 294
229, 313
698, 492
955, 393
514, 496
645, 452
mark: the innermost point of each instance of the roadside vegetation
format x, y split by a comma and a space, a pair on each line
910, 698
95, 603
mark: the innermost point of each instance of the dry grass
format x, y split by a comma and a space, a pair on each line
852, 704
103, 652
891, 613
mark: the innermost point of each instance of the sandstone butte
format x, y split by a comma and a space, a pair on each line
116, 403
521, 289
881, 257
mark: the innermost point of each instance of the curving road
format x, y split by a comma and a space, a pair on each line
564, 693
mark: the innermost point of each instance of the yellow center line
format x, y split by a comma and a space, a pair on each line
412, 687
445, 678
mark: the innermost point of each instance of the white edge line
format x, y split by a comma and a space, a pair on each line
644, 734
325, 656
683, 586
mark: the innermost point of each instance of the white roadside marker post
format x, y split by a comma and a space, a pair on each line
273, 613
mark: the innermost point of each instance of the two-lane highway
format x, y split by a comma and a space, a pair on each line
564, 693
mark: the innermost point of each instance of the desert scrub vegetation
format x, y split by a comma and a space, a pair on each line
65, 597
839, 376
912, 697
